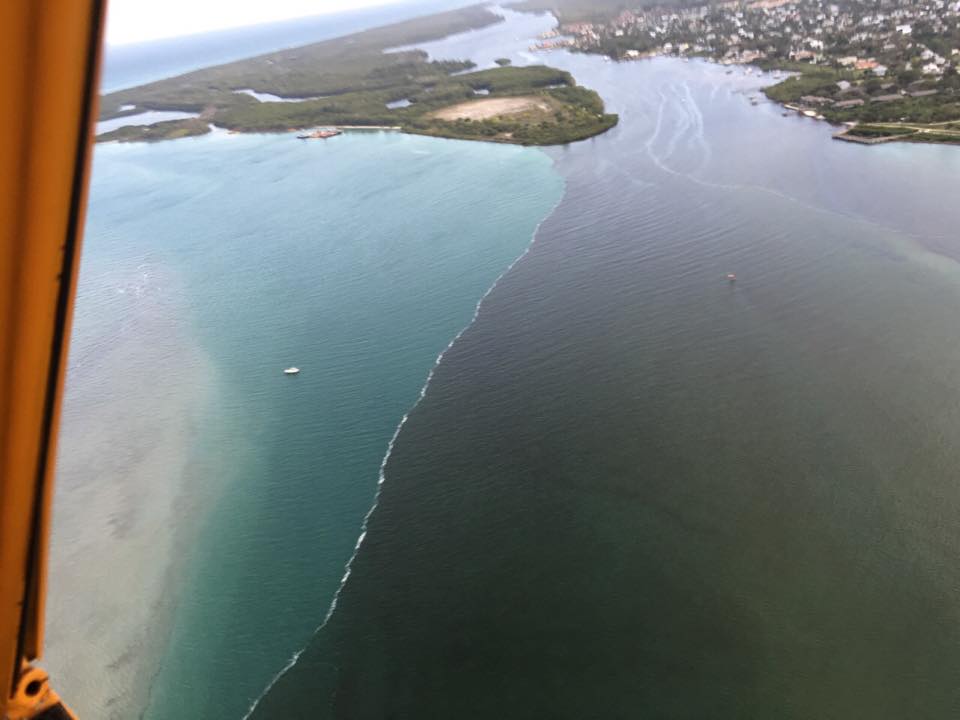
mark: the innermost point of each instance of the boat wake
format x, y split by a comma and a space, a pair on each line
689, 130
386, 458
692, 124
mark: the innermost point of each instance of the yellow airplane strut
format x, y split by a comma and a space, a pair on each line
49, 59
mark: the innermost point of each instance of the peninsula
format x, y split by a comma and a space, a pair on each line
359, 80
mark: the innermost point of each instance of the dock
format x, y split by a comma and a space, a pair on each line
860, 139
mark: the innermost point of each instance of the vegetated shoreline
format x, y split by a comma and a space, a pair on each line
851, 125
875, 96
791, 94
354, 83
866, 119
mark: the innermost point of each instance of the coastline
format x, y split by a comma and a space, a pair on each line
917, 133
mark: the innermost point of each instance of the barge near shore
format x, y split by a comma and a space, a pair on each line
321, 134
879, 133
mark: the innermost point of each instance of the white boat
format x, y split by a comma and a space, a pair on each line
291, 371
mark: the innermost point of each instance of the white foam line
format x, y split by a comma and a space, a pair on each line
383, 463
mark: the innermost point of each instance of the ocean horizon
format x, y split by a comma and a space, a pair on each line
130, 64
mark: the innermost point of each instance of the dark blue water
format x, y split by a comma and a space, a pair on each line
634, 489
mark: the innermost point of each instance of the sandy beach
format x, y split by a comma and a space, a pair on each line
486, 109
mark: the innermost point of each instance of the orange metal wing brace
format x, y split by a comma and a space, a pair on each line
49, 53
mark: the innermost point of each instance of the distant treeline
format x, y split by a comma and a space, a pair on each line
352, 80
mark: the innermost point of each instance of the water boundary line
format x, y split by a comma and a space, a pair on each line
386, 458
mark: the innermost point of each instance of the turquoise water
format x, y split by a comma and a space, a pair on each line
356, 259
